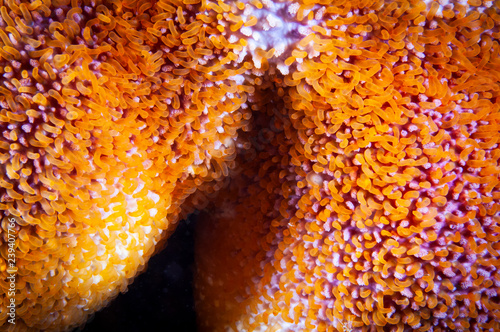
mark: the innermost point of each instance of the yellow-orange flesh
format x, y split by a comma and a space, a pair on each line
366, 193
110, 118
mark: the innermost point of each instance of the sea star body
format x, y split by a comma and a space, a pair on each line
372, 200
112, 115
367, 133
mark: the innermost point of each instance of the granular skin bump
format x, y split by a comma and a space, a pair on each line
346, 151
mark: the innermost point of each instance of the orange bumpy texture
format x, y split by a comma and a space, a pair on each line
366, 192
370, 197
112, 114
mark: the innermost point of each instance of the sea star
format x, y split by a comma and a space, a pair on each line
374, 168
370, 199
112, 115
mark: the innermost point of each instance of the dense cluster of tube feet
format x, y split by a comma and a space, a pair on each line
345, 154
